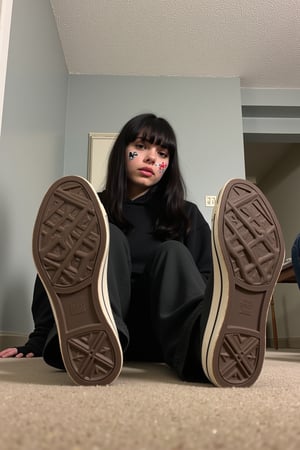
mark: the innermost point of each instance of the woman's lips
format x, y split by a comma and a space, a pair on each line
146, 171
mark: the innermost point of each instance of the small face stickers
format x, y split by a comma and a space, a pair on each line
162, 167
132, 155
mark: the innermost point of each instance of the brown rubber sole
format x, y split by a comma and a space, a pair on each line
70, 251
248, 253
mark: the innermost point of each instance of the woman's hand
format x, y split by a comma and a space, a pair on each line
13, 352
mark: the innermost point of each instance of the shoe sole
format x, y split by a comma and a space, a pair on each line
70, 251
248, 252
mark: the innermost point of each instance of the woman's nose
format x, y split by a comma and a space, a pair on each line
150, 156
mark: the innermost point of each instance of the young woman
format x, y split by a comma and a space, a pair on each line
155, 298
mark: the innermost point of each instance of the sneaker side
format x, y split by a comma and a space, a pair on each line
248, 253
70, 250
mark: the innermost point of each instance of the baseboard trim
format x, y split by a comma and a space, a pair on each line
285, 342
12, 340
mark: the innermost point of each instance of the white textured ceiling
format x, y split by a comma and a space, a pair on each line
256, 40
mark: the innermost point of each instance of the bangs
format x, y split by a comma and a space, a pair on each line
157, 137
155, 130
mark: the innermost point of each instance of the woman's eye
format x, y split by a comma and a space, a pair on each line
163, 154
140, 146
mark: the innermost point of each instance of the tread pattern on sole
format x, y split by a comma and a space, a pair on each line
69, 237
69, 249
248, 255
91, 355
251, 237
238, 357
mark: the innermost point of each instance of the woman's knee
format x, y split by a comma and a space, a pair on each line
172, 251
172, 247
116, 234
118, 242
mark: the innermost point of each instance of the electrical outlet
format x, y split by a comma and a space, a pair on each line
210, 200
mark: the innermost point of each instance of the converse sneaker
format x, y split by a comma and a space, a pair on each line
70, 251
248, 252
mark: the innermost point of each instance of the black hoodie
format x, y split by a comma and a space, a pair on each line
141, 213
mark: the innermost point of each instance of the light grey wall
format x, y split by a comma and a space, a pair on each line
205, 113
31, 149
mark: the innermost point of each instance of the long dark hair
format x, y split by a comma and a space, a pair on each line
171, 222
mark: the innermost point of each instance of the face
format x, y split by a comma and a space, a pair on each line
146, 164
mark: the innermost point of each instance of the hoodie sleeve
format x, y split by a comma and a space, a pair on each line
198, 240
43, 321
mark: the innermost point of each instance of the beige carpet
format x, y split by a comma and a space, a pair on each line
148, 408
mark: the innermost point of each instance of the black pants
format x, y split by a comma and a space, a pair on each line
160, 314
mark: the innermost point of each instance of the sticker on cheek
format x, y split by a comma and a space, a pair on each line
132, 155
162, 167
